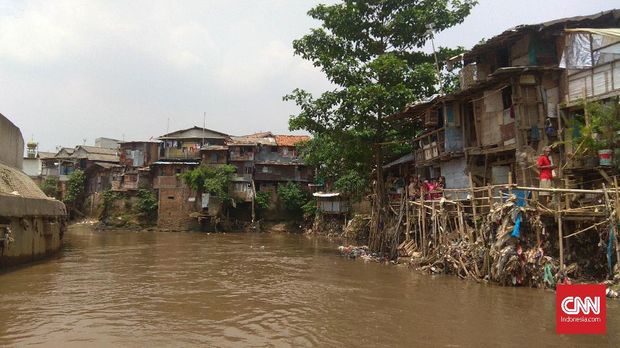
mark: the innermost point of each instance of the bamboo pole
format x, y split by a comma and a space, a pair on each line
561, 240
473, 203
587, 228
408, 222
617, 217
423, 215
490, 198
614, 222
510, 183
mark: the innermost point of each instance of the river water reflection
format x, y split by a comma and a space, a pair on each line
229, 290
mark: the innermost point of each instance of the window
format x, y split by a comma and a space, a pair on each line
178, 170
274, 149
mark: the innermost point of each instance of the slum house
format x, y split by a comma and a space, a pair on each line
514, 86
135, 160
61, 165
176, 200
398, 173
97, 163
241, 152
278, 162
107, 143
506, 111
521, 90
590, 104
186, 143
179, 152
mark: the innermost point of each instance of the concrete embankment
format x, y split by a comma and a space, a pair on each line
31, 224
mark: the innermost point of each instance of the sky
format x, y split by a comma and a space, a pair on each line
72, 71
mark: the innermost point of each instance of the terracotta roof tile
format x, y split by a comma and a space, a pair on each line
291, 140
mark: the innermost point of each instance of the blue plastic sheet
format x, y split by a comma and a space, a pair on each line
516, 231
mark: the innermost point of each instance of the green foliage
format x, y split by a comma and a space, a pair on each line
372, 52
146, 205
108, 198
604, 122
49, 186
352, 184
262, 199
599, 133
213, 180
309, 208
75, 186
292, 196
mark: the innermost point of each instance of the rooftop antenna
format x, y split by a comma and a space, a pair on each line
431, 32
84, 140
204, 125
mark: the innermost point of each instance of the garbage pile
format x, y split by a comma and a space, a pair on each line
509, 251
362, 252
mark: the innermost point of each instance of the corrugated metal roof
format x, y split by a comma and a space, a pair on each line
563, 23
405, 159
194, 133
326, 194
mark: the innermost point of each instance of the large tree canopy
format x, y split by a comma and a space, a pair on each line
372, 51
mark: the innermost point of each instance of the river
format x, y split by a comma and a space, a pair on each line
283, 290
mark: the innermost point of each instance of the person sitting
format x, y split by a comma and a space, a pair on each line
413, 190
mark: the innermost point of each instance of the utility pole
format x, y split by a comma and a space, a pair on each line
204, 125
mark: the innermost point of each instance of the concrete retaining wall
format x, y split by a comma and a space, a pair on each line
31, 224
11, 144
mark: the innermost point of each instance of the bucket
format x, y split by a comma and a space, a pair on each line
604, 157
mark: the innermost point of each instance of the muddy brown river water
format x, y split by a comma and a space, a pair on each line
127, 288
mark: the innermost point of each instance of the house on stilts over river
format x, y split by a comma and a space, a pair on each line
550, 84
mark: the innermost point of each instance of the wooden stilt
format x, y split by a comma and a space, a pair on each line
473, 205
560, 235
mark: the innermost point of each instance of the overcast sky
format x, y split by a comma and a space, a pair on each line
74, 70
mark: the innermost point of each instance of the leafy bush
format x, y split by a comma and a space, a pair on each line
352, 184
262, 199
309, 208
75, 186
213, 180
292, 196
146, 205
49, 186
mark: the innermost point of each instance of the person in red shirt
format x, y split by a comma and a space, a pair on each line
546, 173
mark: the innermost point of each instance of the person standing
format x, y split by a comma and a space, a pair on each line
545, 165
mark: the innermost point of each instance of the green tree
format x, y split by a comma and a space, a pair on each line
75, 187
371, 51
262, 199
213, 180
49, 186
146, 205
292, 196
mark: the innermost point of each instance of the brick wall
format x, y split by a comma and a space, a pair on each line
175, 208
